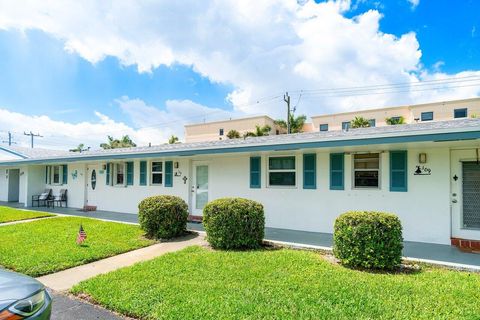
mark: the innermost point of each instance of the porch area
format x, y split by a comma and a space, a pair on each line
426, 252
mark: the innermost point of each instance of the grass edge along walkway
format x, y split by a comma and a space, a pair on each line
8, 214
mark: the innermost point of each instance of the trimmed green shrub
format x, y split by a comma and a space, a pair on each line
234, 223
368, 239
163, 217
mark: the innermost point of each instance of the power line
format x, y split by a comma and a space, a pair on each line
32, 136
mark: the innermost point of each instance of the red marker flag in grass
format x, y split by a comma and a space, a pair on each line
82, 235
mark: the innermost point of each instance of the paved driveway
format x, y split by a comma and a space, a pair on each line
69, 308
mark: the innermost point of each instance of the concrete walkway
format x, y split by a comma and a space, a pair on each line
66, 279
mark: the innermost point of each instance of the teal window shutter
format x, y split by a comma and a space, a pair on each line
65, 174
168, 173
130, 173
309, 171
255, 173
143, 173
107, 178
337, 165
46, 174
398, 171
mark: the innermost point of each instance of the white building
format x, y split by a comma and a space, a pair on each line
426, 173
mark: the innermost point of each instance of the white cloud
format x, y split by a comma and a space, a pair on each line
414, 3
262, 48
151, 125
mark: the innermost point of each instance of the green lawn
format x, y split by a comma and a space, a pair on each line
279, 284
45, 246
8, 214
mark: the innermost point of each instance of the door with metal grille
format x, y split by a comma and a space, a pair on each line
471, 195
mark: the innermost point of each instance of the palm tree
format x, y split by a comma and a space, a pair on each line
233, 134
79, 148
359, 122
259, 131
112, 143
296, 123
395, 120
173, 139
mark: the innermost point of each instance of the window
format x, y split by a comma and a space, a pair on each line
119, 174
427, 116
395, 119
460, 113
56, 174
281, 171
220, 132
345, 125
371, 123
366, 169
157, 172
324, 127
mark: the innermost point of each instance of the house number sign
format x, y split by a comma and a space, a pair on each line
422, 171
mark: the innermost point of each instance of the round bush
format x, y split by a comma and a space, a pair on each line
163, 217
368, 239
234, 223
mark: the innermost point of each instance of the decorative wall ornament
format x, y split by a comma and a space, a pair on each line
74, 175
178, 173
422, 171
185, 179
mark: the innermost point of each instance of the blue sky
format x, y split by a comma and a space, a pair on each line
158, 71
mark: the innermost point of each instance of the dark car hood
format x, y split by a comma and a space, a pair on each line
15, 286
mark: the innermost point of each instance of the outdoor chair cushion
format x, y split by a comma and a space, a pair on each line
43, 196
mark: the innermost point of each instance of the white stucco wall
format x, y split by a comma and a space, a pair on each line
424, 209
3, 184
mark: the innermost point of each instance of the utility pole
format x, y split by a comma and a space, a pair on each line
32, 136
9, 139
286, 98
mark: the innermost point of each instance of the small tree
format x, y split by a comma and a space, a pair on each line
359, 122
259, 131
173, 139
112, 143
395, 120
296, 123
79, 148
233, 134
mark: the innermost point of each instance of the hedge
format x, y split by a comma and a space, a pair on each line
163, 217
234, 223
368, 239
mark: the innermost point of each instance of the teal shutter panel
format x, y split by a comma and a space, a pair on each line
168, 173
65, 174
255, 173
309, 171
337, 171
143, 173
398, 171
130, 173
46, 174
107, 177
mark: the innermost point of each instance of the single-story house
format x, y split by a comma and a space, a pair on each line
426, 173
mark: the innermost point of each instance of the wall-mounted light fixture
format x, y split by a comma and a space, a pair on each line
422, 157
175, 164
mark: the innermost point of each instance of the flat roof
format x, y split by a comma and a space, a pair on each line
407, 106
227, 120
453, 130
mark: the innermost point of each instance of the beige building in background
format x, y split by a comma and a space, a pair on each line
218, 130
437, 111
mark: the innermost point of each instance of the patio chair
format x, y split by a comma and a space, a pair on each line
42, 198
60, 198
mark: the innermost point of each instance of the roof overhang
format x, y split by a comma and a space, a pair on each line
18, 154
470, 134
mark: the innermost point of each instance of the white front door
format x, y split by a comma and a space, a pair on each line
465, 186
200, 187
93, 184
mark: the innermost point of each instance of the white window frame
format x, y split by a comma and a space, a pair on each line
52, 175
156, 172
268, 171
379, 187
114, 174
